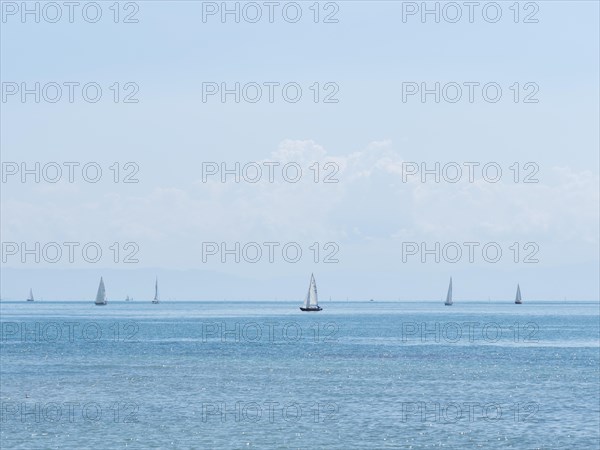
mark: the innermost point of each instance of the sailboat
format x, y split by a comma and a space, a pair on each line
156, 292
127, 299
30, 298
311, 302
101, 295
448, 301
518, 300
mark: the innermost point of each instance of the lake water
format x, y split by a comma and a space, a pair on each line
265, 375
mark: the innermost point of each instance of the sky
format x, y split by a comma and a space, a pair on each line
366, 210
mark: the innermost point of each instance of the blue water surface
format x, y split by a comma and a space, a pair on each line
265, 375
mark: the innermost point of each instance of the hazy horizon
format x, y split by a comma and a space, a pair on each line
70, 284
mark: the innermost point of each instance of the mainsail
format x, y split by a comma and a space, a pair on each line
156, 298
449, 294
518, 297
311, 300
101, 295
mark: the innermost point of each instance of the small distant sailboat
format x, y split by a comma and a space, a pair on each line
127, 299
448, 301
518, 300
311, 302
30, 298
156, 298
101, 295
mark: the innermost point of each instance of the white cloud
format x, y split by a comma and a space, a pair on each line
370, 202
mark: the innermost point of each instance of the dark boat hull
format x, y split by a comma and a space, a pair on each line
318, 308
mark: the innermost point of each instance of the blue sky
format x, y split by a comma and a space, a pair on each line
369, 134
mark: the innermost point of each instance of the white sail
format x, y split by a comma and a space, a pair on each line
30, 298
518, 297
101, 295
449, 294
156, 298
311, 300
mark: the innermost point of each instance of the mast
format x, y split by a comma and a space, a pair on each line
30, 298
101, 295
307, 299
155, 291
449, 294
312, 291
518, 297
